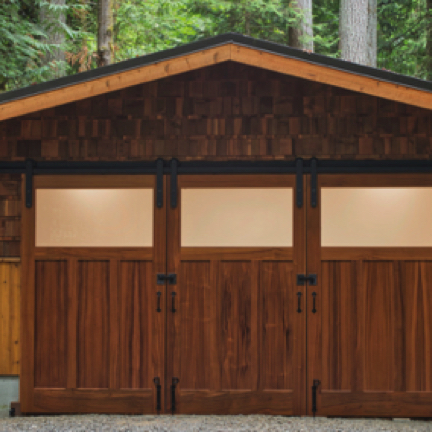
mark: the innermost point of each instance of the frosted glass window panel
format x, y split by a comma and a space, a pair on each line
94, 217
376, 217
243, 217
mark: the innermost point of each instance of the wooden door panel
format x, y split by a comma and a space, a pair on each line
51, 324
94, 339
369, 341
93, 324
236, 340
136, 325
277, 324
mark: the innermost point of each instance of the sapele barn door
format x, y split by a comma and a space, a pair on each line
369, 316
93, 340
236, 321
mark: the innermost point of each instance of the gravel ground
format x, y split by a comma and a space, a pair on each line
180, 423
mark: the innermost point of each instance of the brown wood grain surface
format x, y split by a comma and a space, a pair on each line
369, 341
94, 338
10, 300
236, 341
228, 111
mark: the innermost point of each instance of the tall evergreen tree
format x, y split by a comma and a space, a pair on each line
372, 34
301, 35
353, 26
105, 32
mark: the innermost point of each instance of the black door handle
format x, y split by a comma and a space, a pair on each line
314, 294
173, 309
158, 309
299, 294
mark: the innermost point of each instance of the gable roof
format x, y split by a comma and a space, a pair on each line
207, 52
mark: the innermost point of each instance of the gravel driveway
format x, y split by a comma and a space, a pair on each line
180, 423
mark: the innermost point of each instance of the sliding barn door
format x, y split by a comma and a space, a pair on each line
93, 340
370, 338
236, 321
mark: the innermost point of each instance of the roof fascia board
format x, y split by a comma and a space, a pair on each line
207, 52
117, 81
331, 76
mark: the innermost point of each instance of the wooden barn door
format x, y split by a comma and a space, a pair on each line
236, 335
93, 340
370, 337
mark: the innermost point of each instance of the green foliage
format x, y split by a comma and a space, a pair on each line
402, 27
326, 27
145, 26
263, 19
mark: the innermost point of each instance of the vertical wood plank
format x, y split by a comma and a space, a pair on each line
256, 336
113, 325
10, 318
72, 317
27, 302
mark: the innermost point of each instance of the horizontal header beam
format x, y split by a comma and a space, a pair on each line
220, 167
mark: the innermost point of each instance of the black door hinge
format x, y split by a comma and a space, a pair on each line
299, 182
171, 278
310, 279
174, 187
175, 381
157, 383
159, 182
316, 383
314, 183
29, 183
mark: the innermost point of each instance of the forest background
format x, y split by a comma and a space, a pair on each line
45, 39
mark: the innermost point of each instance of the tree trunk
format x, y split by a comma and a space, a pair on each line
353, 26
302, 35
105, 33
55, 36
372, 34
429, 40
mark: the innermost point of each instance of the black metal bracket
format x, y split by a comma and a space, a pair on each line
159, 182
174, 189
29, 183
157, 383
315, 385
310, 279
171, 278
175, 381
314, 182
299, 182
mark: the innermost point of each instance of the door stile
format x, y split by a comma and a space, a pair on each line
160, 266
172, 258
314, 330
300, 267
27, 306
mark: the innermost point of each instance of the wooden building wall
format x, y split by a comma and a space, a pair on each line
228, 111
10, 317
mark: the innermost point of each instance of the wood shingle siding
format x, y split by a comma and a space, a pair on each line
227, 111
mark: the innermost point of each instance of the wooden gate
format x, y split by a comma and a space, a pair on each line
93, 340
